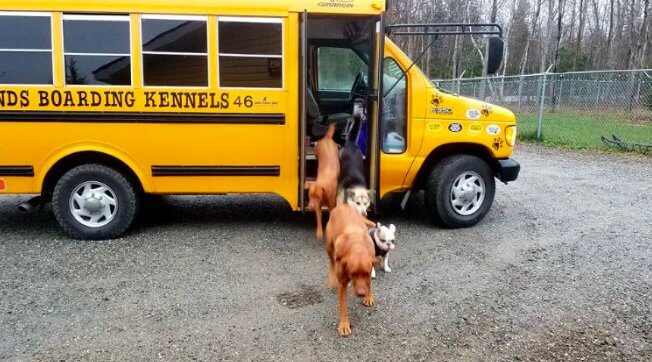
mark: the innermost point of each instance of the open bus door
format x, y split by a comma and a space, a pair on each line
336, 53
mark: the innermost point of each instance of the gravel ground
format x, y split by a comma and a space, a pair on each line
561, 268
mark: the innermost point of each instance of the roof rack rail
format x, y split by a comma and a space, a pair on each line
446, 29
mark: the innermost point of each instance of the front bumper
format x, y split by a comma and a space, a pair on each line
507, 170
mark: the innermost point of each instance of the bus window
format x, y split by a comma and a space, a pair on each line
175, 50
337, 68
250, 52
96, 49
25, 48
393, 125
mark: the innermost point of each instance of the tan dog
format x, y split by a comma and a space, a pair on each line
323, 191
351, 258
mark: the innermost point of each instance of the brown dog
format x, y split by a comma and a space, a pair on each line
351, 257
324, 190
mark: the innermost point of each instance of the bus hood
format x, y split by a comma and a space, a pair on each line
445, 105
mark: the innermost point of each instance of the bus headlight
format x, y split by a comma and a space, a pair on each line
510, 135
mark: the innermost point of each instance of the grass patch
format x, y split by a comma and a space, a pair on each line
575, 129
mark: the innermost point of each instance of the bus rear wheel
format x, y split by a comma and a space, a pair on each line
459, 191
93, 202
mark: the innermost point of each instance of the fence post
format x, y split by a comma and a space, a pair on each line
520, 92
459, 81
543, 101
561, 89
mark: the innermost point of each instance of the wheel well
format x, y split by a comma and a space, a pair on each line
444, 151
67, 163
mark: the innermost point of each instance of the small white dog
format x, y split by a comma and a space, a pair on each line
383, 238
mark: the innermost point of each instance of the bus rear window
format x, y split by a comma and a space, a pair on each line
25, 48
250, 52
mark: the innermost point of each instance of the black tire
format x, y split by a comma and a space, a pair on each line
124, 192
439, 185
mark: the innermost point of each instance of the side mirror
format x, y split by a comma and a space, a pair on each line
494, 54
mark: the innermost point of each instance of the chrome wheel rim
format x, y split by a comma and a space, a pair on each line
93, 204
467, 193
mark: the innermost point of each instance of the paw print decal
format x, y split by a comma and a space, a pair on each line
436, 100
497, 144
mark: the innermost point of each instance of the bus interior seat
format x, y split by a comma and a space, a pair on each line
318, 124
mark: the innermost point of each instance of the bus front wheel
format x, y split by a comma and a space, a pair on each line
459, 191
94, 201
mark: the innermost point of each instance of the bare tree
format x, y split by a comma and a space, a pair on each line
572, 34
533, 29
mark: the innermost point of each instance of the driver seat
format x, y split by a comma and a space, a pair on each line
318, 124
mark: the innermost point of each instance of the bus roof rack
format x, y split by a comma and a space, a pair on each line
446, 29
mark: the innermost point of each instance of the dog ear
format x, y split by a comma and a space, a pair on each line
392, 228
350, 194
371, 193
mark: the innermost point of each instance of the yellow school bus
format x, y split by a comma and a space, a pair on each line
102, 102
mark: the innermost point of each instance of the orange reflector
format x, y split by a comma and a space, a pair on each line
510, 135
3, 184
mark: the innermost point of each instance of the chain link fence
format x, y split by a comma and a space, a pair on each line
598, 109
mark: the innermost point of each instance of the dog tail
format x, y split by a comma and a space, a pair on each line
331, 131
352, 137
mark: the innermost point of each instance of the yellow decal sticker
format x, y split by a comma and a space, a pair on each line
434, 126
475, 127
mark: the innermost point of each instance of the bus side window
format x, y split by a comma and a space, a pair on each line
250, 52
96, 49
175, 50
25, 49
393, 127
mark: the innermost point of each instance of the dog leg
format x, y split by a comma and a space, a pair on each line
368, 301
345, 326
385, 265
373, 273
320, 230
332, 279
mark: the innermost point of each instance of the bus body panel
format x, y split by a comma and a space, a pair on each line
160, 145
242, 139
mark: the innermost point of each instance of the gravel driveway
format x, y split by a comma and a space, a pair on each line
561, 268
